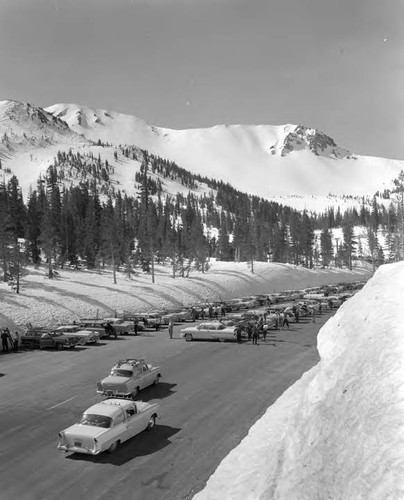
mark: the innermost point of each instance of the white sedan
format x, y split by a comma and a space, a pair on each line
105, 425
210, 330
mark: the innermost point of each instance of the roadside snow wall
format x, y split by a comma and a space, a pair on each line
337, 433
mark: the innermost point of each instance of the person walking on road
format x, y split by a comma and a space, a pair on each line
171, 329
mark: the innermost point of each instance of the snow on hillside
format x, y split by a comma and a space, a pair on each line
265, 160
78, 294
28, 127
293, 165
338, 432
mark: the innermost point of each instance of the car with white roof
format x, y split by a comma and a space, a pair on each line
84, 336
209, 330
106, 425
128, 377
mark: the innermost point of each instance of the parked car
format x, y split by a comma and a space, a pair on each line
152, 319
209, 330
30, 340
106, 425
99, 326
121, 325
85, 336
177, 316
56, 340
128, 377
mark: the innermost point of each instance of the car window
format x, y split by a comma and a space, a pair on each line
130, 412
122, 373
96, 420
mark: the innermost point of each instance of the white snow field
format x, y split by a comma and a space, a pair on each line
338, 432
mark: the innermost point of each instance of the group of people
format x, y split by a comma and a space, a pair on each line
259, 328
9, 341
212, 312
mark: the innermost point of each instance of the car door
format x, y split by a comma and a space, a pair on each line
204, 331
46, 341
146, 376
135, 421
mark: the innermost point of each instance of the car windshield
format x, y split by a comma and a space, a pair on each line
122, 373
96, 420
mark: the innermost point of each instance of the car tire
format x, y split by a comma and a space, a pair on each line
152, 423
135, 393
222, 339
156, 380
114, 447
59, 346
83, 341
189, 337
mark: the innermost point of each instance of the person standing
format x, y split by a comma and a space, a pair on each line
264, 332
135, 327
239, 329
4, 340
249, 331
255, 335
171, 328
16, 340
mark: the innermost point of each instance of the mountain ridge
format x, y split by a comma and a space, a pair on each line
270, 161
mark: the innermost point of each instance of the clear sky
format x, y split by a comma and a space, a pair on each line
336, 65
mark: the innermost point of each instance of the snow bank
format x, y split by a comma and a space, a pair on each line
79, 294
338, 432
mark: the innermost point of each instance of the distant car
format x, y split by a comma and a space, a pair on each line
209, 330
151, 320
121, 325
56, 340
30, 339
128, 377
105, 425
178, 316
85, 336
99, 326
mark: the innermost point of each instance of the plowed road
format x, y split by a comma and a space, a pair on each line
210, 394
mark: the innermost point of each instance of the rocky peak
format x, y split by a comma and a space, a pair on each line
303, 138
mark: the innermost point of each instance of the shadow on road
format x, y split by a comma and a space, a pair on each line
160, 391
145, 443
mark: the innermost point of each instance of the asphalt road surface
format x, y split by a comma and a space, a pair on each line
210, 394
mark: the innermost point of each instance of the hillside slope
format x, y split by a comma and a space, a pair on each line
265, 160
78, 294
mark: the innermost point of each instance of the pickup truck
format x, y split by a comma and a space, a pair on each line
128, 377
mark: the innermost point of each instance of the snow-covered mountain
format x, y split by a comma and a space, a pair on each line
291, 164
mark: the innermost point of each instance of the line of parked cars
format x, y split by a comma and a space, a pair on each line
88, 331
273, 307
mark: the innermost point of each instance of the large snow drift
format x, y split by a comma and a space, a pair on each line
337, 433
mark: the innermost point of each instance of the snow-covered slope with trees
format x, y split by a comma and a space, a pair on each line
265, 160
290, 164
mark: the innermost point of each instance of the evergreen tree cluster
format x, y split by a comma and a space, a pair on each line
92, 224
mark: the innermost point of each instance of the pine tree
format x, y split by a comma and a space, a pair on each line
348, 245
326, 247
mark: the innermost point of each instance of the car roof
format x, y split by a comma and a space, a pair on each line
110, 407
